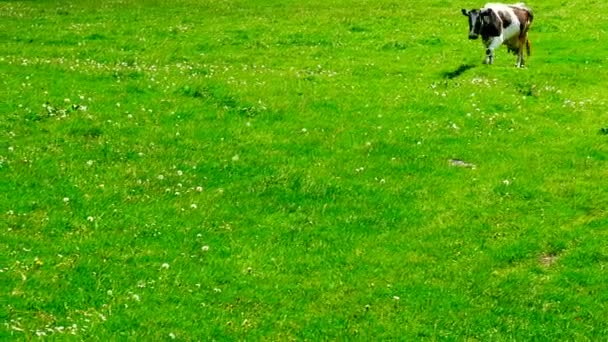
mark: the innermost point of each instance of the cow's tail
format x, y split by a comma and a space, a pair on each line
528, 47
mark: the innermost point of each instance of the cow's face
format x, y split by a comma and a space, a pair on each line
474, 22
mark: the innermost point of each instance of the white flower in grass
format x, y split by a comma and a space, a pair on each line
396, 297
199, 188
66, 200
193, 206
135, 297
160, 177
205, 248
90, 163
90, 219
165, 266
180, 172
172, 336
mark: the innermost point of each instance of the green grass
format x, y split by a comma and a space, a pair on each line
254, 170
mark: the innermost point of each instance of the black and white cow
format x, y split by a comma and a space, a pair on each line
501, 23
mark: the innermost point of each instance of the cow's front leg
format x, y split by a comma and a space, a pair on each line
491, 45
489, 56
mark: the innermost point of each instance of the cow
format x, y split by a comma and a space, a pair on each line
501, 23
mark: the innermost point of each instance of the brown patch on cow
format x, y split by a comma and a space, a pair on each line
547, 260
524, 16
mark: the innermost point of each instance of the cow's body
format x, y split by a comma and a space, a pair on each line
501, 23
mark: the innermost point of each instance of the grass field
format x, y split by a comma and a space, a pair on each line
300, 170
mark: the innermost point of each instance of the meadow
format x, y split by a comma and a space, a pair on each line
300, 170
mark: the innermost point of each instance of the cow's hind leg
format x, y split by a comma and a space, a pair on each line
520, 57
521, 44
524, 42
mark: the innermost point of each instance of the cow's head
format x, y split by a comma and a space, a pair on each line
483, 21
474, 22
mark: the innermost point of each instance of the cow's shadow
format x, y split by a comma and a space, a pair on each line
458, 71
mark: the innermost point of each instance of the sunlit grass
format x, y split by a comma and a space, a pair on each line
299, 170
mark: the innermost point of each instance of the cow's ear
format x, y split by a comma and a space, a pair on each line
465, 13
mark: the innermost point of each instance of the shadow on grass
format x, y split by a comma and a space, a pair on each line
458, 71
